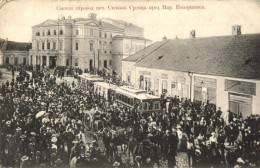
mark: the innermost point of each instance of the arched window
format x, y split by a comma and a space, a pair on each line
105, 35
37, 33
61, 32
54, 32
48, 32
91, 32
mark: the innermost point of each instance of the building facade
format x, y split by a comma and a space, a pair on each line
86, 43
220, 70
14, 53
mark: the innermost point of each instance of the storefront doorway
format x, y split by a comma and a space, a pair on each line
240, 104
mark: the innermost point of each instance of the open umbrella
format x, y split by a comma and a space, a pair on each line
40, 113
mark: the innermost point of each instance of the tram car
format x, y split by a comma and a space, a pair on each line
87, 80
106, 90
137, 98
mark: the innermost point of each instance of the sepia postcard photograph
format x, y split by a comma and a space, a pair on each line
129, 83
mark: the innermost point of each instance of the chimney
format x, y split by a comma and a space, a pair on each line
176, 38
192, 34
164, 38
92, 16
61, 17
236, 30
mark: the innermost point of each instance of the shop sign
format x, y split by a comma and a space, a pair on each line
145, 73
205, 82
164, 76
240, 87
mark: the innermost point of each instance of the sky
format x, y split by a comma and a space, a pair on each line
17, 17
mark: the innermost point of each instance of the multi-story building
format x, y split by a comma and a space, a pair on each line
85, 42
220, 70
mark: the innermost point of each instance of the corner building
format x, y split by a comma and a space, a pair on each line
86, 43
220, 70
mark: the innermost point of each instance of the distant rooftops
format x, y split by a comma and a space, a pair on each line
231, 56
15, 46
104, 22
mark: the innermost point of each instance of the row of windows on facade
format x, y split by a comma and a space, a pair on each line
176, 88
78, 32
49, 45
91, 47
131, 48
49, 33
91, 63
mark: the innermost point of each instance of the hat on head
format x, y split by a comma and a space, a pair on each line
95, 160
116, 164
138, 158
8, 122
54, 139
150, 135
23, 136
18, 129
75, 141
240, 160
24, 158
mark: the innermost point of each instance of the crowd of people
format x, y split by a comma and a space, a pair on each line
44, 124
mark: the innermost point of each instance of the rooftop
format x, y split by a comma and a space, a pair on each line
231, 56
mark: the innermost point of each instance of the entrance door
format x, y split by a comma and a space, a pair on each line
105, 63
44, 60
7, 60
240, 104
91, 65
24, 60
52, 62
15, 61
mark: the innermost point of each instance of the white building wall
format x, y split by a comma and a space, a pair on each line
222, 96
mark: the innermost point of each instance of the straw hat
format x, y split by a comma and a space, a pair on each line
24, 158
116, 164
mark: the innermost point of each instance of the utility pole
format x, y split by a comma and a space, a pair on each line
94, 62
98, 59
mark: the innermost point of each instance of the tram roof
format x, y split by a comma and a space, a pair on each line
91, 77
141, 96
106, 85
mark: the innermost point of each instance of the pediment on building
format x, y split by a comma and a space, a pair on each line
93, 24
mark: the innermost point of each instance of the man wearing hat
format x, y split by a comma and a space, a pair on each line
172, 148
25, 163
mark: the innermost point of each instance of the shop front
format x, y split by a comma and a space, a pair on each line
240, 96
205, 90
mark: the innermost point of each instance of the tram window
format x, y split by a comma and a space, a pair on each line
150, 105
156, 105
131, 102
145, 106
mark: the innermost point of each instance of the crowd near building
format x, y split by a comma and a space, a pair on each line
85, 42
219, 70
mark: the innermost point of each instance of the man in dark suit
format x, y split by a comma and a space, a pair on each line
172, 148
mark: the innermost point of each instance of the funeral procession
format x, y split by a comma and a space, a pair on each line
93, 91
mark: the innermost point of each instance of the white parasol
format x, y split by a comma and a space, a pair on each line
39, 114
